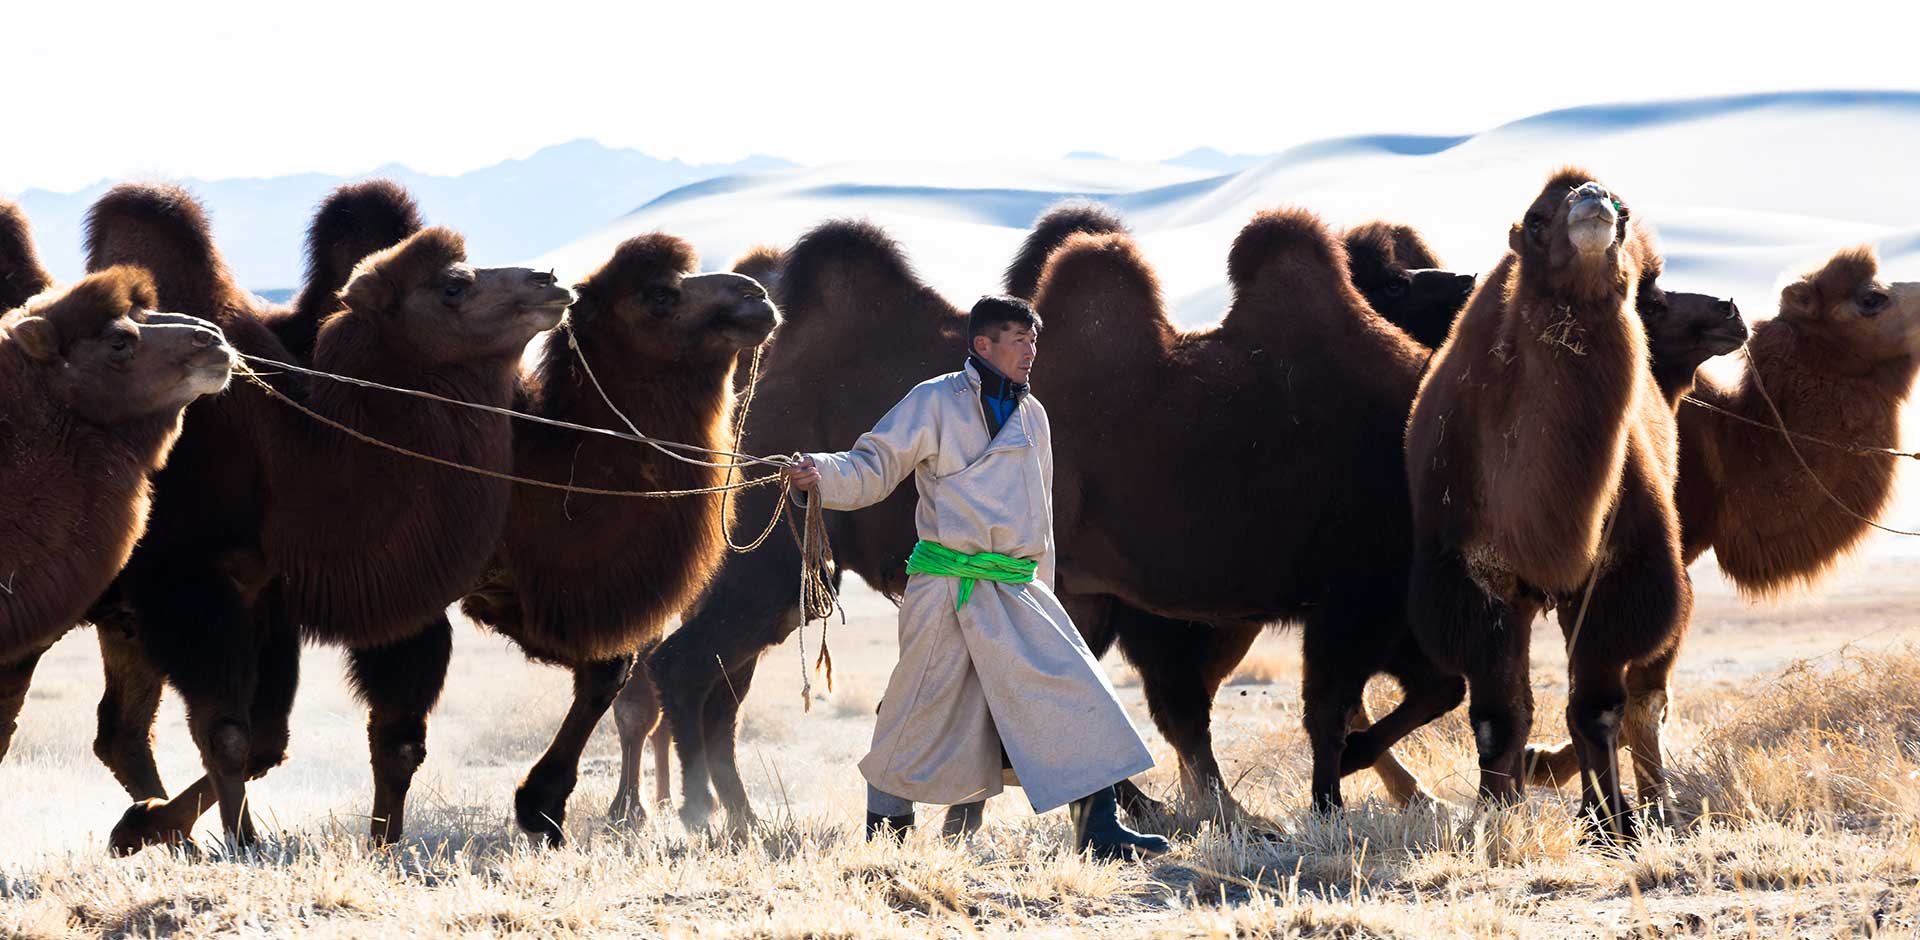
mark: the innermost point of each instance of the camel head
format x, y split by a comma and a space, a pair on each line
648, 298
1685, 330
1577, 234
423, 295
1847, 302
1409, 289
762, 263
107, 355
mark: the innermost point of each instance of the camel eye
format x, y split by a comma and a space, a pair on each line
1396, 288
660, 296
1873, 301
454, 290
1536, 229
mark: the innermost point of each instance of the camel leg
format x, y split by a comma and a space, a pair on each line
636, 716
662, 742
723, 746
400, 683
198, 628
749, 608
1428, 692
1647, 685
128, 706
540, 804
15, 676
1182, 665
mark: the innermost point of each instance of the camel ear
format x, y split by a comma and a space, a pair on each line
1514, 233
37, 338
1801, 298
368, 290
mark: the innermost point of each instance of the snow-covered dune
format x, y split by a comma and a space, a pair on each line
1742, 190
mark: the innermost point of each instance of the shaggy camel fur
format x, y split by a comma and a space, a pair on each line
585, 581
1839, 361
846, 290
269, 527
1542, 457
1401, 279
354, 221
93, 383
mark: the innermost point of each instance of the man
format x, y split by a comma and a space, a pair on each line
988, 657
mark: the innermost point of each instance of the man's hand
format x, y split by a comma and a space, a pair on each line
803, 476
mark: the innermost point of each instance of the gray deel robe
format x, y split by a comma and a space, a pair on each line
1009, 668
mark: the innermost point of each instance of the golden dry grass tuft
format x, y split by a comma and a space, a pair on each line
1799, 782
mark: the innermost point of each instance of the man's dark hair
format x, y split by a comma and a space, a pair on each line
995, 312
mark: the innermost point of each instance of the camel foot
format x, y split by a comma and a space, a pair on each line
541, 810
146, 823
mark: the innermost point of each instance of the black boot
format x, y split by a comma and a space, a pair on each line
895, 826
1096, 826
964, 819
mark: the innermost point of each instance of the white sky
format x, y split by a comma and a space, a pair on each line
218, 89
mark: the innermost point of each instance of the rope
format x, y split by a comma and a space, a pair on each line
1780, 423
739, 433
250, 375
1861, 450
818, 600
635, 437
573, 341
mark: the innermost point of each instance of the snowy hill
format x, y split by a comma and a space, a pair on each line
1742, 191
509, 210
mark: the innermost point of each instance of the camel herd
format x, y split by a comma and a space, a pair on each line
1407, 463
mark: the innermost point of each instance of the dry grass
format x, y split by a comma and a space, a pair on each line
1802, 783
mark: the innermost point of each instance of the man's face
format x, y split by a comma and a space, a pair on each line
1012, 351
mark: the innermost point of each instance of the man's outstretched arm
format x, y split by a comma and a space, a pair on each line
878, 461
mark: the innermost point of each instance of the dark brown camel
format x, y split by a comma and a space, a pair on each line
269, 527
585, 581
1542, 457
1838, 361
845, 290
93, 382
354, 221
1401, 278
863, 285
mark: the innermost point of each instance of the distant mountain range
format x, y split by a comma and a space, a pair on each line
509, 211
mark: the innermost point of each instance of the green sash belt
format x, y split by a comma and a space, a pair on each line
940, 561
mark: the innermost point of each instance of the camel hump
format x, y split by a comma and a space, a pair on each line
1072, 217
762, 263
21, 275
1382, 245
354, 221
1098, 288
1282, 233
847, 263
164, 229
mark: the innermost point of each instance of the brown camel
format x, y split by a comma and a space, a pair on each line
1105, 307
93, 382
1541, 457
269, 526
585, 581
1838, 361
354, 221
1402, 281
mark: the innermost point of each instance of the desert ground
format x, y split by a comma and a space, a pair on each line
1792, 736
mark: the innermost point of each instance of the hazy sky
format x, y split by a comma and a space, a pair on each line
219, 89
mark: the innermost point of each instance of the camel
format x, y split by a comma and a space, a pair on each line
1541, 458
1105, 304
354, 221
1838, 361
1402, 280
269, 527
585, 581
93, 383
